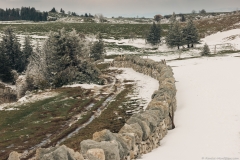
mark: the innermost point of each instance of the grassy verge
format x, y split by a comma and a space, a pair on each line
102, 66
227, 52
122, 47
107, 120
31, 123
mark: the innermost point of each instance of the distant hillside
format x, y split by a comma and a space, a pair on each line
219, 23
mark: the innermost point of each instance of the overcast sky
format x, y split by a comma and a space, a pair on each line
126, 8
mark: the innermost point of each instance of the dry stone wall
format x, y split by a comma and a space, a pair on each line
144, 131
141, 133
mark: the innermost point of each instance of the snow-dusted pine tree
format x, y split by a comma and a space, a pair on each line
63, 60
205, 50
97, 50
190, 34
26, 52
173, 18
154, 35
5, 67
36, 73
174, 37
11, 47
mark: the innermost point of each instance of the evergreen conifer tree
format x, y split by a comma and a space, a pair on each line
173, 18
11, 47
97, 50
154, 35
190, 34
183, 19
5, 67
26, 52
174, 37
53, 10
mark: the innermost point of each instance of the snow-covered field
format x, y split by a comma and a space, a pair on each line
227, 40
224, 40
85, 86
208, 115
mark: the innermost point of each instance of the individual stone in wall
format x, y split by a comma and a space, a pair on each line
146, 130
106, 135
58, 153
162, 94
133, 128
156, 114
95, 154
128, 139
149, 120
162, 106
110, 148
169, 84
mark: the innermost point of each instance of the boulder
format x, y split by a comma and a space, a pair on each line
110, 148
95, 154
14, 156
58, 153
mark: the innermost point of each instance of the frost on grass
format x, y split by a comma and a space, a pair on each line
29, 98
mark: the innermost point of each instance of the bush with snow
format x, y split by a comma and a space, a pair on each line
63, 59
205, 50
154, 34
97, 50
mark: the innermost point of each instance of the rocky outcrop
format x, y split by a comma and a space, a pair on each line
7, 94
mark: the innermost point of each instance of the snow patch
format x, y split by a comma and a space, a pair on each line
30, 98
85, 86
146, 85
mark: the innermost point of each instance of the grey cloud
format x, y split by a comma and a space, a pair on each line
109, 8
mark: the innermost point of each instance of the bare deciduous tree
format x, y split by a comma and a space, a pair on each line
100, 17
157, 17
